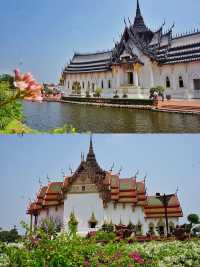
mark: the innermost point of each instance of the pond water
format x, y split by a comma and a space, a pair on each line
49, 115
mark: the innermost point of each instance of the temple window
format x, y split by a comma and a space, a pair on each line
139, 229
109, 84
102, 84
68, 85
88, 85
161, 230
160, 227
168, 83
93, 87
151, 229
130, 78
92, 222
83, 188
181, 83
56, 208
83, 85
196, 84
171, 227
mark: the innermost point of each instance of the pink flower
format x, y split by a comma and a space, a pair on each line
137, 258
30, 89
21, 84
86, 263
28, 77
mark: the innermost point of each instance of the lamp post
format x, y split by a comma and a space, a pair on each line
165, 199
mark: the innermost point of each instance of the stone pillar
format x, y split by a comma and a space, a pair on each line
135, 79
31, 223
35, 222
118, 78
151, 77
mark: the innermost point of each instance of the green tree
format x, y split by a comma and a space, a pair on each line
9, 236
193, 219
73, 225
158, 89
11, 111
7, 78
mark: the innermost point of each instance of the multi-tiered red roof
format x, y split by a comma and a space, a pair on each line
111, 188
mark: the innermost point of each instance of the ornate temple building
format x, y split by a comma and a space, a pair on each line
96, 196
142, 59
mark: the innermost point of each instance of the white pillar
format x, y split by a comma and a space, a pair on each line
151, 77
135, 79
118, 79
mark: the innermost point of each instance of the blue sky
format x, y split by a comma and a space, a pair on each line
168, 160
41, 35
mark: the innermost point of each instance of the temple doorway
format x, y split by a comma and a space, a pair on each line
92, 222
76, 88
92, 225
130, 78
196, 84
161, 230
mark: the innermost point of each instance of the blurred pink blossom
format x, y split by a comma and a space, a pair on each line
137, 258
29, 88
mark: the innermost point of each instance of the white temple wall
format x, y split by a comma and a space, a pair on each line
125, 214
149, 75
188, 72
42, 216
55, 213
93, 78
146, 74
156, 221
83, 205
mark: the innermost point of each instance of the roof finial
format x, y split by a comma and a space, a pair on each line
91, 155
91, 144
138, 12
139, 25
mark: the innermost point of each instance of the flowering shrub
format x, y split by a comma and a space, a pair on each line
25, 87
12, 91
64, 251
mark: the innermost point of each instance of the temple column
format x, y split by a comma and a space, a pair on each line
151, 77
135, 79
31, 223
35, 222
118, 77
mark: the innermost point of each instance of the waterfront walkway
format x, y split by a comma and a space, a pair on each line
180, 106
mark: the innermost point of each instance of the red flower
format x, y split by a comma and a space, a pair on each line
137, 258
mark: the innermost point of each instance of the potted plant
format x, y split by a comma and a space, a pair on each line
88, 93
116, 94
98, 92
125, 93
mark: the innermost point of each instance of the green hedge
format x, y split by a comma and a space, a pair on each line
118, 101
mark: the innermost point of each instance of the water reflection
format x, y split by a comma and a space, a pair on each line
46, 116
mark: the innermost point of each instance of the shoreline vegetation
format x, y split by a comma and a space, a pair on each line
14, 89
